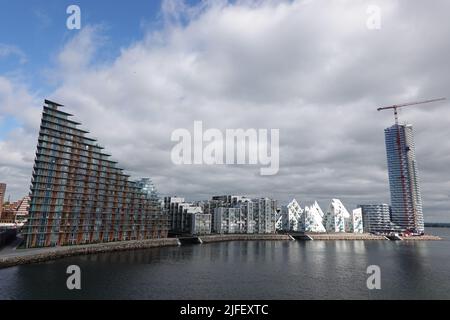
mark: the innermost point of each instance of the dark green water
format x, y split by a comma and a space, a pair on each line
246, 270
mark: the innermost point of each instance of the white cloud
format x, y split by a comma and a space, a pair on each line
17, 101
311, 69
7, 50
18, 147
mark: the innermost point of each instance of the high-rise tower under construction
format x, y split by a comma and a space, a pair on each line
406, 201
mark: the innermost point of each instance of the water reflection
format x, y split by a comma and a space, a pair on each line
244, 270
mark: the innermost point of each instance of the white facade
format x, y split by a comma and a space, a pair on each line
357, 221
290, 217
264, 215
294, 218
246, 216
247, 211
312, 218
337, 218
229, 220
200, 223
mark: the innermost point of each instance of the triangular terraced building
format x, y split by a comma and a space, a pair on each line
79, 195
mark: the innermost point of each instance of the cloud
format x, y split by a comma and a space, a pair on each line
311, 69
43, 18
18, 147
7, 50
17, 101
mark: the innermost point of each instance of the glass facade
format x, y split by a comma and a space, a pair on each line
146, 184
243, 215
376, 217
406, 201
79, 195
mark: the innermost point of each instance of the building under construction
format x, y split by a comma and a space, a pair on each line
79, 195
406, 201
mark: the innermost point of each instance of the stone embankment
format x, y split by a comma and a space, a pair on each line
243, 237
26, 256
426, 237
365, 236
345, 236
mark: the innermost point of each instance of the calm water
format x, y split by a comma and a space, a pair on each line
246, 270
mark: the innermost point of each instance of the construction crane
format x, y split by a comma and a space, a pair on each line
396, 106
400, 155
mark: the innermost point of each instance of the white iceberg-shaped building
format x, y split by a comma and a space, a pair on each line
312, 218
294, 218
337, 217
357, 221
290, 218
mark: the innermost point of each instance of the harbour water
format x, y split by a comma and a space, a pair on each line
246, 270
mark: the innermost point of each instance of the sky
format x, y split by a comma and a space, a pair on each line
138, 70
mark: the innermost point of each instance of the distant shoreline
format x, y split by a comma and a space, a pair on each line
437, 225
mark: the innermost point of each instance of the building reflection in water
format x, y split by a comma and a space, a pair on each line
245, 270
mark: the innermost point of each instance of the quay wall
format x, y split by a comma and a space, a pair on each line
365, 236
26, 256
426, 237
345, 236
7, 236
243, 237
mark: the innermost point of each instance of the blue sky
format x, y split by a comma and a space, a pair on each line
38, 27
36, 31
